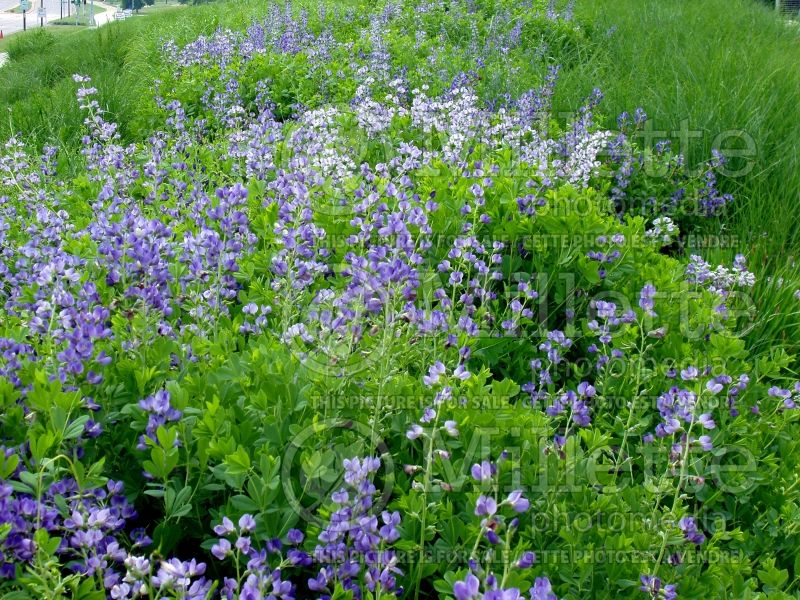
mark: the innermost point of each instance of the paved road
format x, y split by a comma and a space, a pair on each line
11, 22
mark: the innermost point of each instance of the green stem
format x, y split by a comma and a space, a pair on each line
632, 410
426, 482
676, 498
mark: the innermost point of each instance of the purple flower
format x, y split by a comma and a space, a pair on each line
434, 373
415, 431
247, 523
467, 589
542, 590
299, 558
243, 544
389, 529
483, 471
706, 421
350, 545
225, 527
705, 443
646, 301
516, 501
428, 415
690, 531
461, 373
221, 549
295, 536
485, 506
653, 586
526, 560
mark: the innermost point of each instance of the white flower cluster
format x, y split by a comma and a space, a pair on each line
456, 115
374, 117
318, 141
663, 230
722, 279
582, 162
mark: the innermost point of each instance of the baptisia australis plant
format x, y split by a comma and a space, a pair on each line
84, 523
323, 215
355, 546
499, 524
258, 579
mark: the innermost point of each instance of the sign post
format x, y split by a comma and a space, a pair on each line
41, 13
25, 6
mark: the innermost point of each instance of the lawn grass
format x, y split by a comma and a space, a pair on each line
159, 8
82, 17
82, 21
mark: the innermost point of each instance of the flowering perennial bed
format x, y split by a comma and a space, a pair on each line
362, 319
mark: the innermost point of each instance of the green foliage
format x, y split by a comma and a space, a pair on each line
38, 42
265, 420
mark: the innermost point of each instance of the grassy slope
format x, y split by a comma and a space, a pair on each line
38, 93
36, 89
